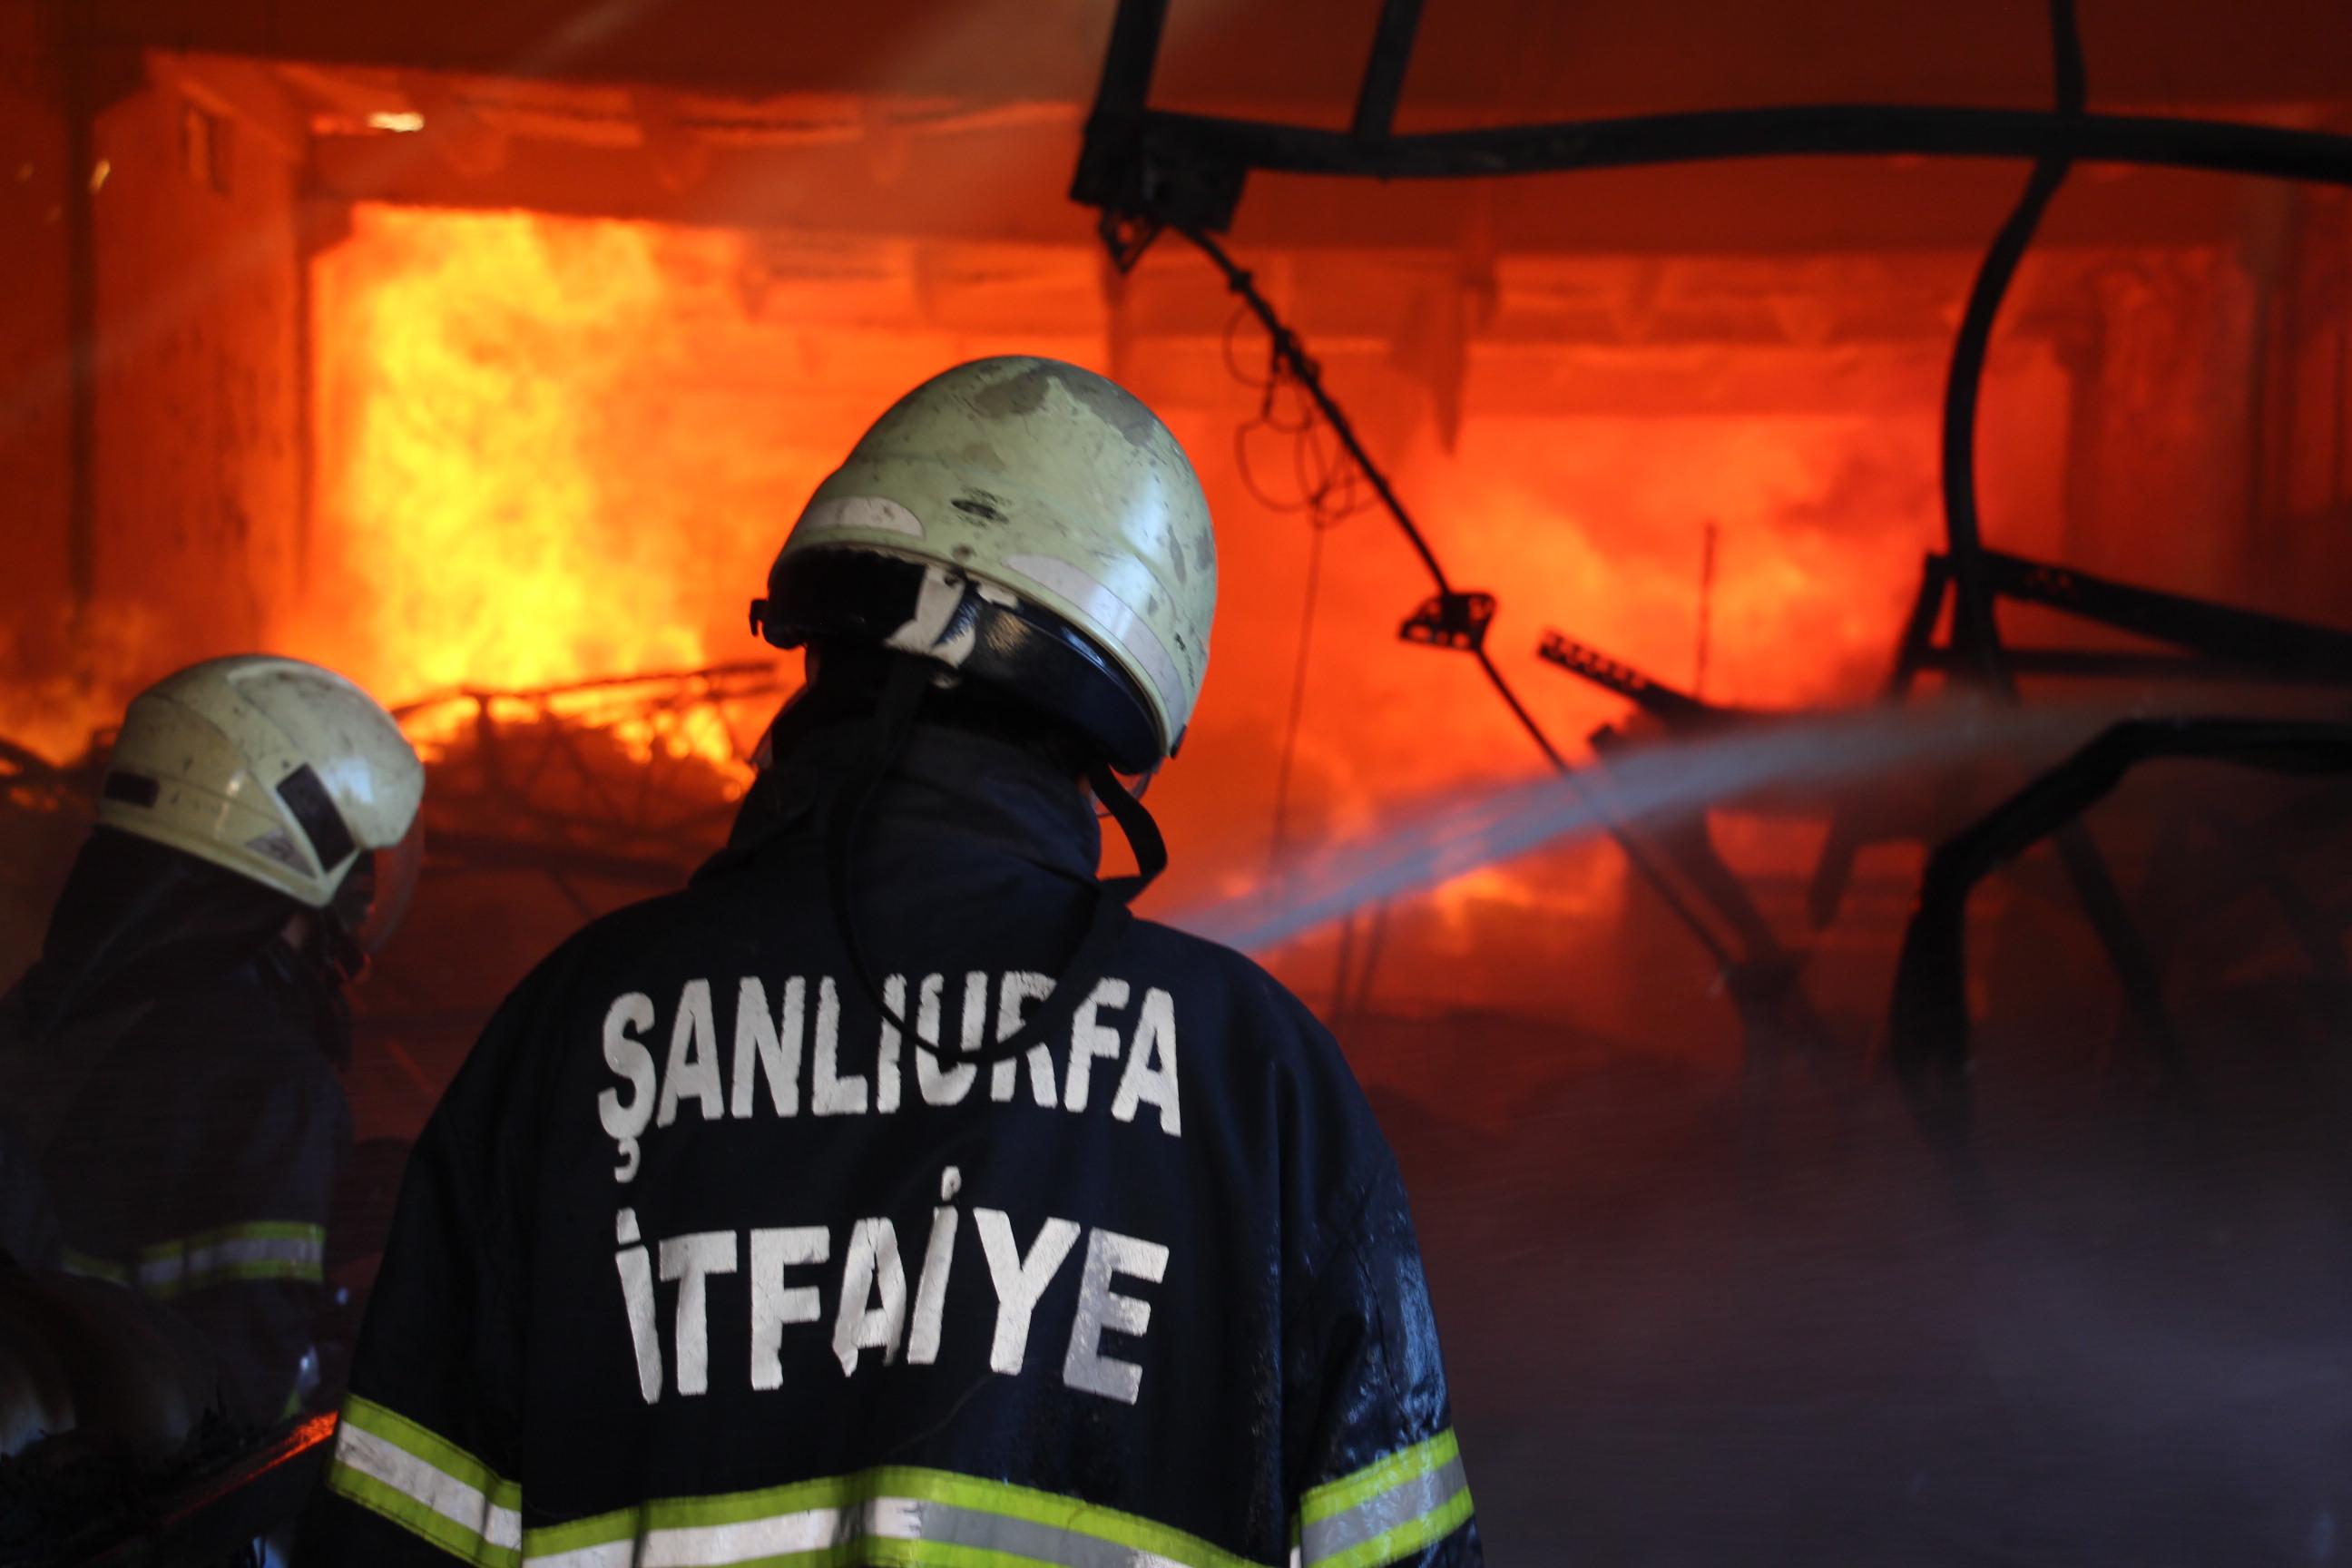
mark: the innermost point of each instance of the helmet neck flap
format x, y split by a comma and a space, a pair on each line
890, 695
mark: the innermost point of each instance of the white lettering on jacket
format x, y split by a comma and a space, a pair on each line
871, 1301
754, 1048
736, 1049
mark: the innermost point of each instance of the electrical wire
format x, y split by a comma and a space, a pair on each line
1280, 839
1291, 362
1329, 487
1329, 492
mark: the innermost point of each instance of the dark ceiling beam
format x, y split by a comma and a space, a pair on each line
1005, 185
1832, 130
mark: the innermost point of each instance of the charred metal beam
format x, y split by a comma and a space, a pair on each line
1133, 55
829, 188
2086, 664
1825, 130
2223, 633
1116, 171
2224, 643
1376, 100
1928, 1019
1679, 711
1974, 634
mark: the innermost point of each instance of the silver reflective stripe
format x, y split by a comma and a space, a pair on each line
302, 1256
459, 1501
1108, 611
1024, 1538
610, 1554
746, 1541
1375, 1517
883, 1519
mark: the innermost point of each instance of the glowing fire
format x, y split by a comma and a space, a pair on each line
1596, 528
553, 450
502, 506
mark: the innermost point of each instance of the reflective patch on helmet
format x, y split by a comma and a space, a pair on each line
933, 630
306, 797
877, 512
132, 789
1112, 613
279, 845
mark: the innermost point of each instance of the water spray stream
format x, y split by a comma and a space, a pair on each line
1875, 748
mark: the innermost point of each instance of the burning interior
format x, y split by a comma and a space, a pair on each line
487, 360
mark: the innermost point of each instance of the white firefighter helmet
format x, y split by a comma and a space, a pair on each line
281, 772
1031, 525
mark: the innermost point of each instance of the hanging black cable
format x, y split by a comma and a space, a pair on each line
1291, 357
1280, 840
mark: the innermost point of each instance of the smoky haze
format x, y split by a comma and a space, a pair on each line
1700, 1316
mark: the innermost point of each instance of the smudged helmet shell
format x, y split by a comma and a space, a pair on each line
208, 761
1056, 485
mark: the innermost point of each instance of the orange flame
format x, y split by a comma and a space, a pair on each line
556, 449
499, 507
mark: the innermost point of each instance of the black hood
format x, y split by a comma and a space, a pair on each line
950, 782
138, 921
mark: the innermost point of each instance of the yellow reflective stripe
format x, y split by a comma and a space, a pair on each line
258, 1249
1338, 1497
1390, 1508
85, 1266
249, 1230
896, 1516
426, 1484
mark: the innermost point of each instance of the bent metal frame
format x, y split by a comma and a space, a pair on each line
1148, 171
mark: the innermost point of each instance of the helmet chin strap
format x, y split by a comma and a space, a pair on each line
886, 735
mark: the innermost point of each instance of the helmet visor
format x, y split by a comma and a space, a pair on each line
375, 892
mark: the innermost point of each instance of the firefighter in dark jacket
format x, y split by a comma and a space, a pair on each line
890, 1195
168, 1068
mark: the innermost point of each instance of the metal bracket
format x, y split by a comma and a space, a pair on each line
1125, 238
1679, 711
1457, 621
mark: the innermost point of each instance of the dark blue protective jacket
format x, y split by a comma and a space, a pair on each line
188, 1141
700, 1262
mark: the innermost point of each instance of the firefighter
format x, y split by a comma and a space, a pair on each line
169, 1065
890, 1195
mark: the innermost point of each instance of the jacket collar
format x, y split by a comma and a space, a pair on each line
949, 785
